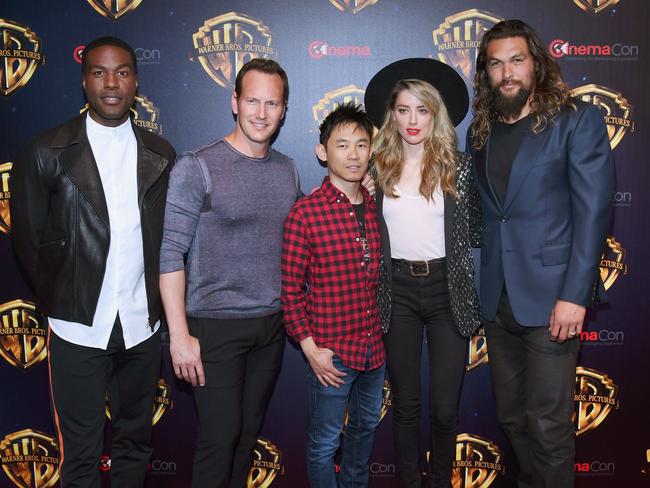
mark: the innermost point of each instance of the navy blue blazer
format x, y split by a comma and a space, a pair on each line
545, 242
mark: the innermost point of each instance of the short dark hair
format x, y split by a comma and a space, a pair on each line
346, 113
108, 41
267, 66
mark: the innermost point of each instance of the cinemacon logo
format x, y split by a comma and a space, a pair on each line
596, 467
320, 49
560, 48
609, 336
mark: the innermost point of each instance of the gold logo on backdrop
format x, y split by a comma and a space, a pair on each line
612, 263
595, 396
352, 5
615, 108
5, 196
20, 55
23, 334
459, 37
595, 6
478, 462
145, 114
478, 351
225, 43
114, 9
161, 402
266, 464
334, 98
30, 459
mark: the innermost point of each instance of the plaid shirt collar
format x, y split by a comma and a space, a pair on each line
333, 194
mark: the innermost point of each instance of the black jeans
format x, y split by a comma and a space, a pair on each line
533, 380
79, 379
422, 304
242, 360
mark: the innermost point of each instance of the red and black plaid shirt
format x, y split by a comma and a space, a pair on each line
329, 291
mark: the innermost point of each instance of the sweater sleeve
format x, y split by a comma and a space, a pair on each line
185, 201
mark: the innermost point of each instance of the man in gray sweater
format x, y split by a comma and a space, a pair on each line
220, 274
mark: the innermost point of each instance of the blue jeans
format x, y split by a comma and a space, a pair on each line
361, 394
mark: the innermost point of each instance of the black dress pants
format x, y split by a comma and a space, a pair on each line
80, 377
242, 360
421, 304
533, 380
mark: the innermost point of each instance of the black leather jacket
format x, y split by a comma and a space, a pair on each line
60, 225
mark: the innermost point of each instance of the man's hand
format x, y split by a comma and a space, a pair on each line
369, 183
320, 361
566, 321
186, 358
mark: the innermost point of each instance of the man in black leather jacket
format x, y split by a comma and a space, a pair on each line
87, 210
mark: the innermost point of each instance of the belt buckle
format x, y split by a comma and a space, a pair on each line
426, 271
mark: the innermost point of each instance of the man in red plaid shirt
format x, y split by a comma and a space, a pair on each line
330, 273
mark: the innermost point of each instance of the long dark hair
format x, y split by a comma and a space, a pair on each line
549, 94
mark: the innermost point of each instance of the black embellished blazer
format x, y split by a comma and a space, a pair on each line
462, 233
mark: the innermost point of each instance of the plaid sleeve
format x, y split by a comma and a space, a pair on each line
295, 263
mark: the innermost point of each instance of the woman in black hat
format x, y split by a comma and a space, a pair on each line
429, 217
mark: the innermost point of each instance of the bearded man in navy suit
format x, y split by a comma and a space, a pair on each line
545, 174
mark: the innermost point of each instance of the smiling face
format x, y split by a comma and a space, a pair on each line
412, 117
347, 154
259, 109
110, 83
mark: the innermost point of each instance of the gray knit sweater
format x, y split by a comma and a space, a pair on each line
223, 226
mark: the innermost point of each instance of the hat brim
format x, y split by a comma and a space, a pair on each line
443, 77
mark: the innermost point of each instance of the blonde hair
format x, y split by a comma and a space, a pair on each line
439, 160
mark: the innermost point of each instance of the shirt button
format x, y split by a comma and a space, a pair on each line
362, 264
338, 201
368, 334
504, 219
357, 239
351, 214
368, 311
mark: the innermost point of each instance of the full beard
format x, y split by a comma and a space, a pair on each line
509, 107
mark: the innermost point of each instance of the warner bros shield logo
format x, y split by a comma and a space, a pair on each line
225, 43
595, 6
459, 36
615, 108
5, 196
595, 397
23, 334
352, 5
114, 9
477, 354
266, 464
20, 55
30, 459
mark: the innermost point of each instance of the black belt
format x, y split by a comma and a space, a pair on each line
416, 268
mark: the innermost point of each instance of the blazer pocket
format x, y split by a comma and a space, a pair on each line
553, 254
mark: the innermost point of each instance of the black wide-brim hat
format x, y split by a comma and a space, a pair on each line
441, 76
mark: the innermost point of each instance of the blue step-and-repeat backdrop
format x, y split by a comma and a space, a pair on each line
189, 53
